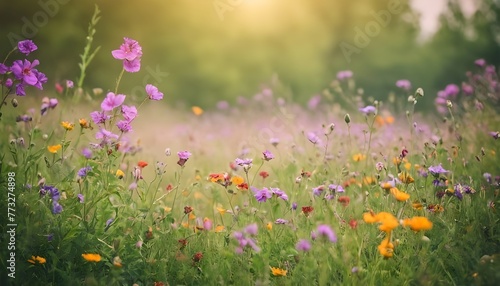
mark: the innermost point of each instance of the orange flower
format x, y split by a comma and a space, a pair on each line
219, 228
358, 157
237, 180
418, 223
269, 226
214, 178
91, 257
197, 110
386, 248
399, 195
84, 123
387, 221
278, 271
37, 259
142, 164
67, 125
417, 206
370, 217
344, 200
54, 148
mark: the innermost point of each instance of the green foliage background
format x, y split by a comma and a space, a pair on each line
210, 59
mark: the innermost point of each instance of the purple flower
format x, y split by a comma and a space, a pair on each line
268, 155
480, 62
130, 52
436, 170
451, 90
26, 47
325, 231
25, 71
129, 112
52, 191
87, 153
109, 221
84, 171
243, 162
24, 118
314, 102
99, 117
112, 101
368, 110
124, 126
183, 157
487, 177
8, 83
262, 195
81, 198
318, 190
281, 221
153, 92
105, 135
494, 134
303, 245
4, 69
294, 206
53, 102
56, 208
343, 75
404, 84
69, 84
50, 237
222, 105
280, 194
336, 188
313, 138
274, 141
467, 89
251, 229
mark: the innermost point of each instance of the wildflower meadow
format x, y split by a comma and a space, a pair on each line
100, 187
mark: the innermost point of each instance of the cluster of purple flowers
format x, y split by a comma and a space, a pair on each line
54, 194
23, 71
265, 194
246, 238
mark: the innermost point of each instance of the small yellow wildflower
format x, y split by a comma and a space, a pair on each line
406, 178
269, 226
358, 157
91, 257
278, 271
67, 125
219, 228
237, 180
37, 259
197, 110
221, 211
120, 174
54, 148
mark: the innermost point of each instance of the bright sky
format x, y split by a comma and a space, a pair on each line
431, 9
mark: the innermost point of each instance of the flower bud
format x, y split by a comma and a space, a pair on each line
14, 102
419, 92
347, 118
168, 152
449, 104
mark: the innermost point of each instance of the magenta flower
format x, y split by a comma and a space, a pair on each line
314, 102
105, 135
129, 112
343, 75
81, 198
183, 157
87, 153
268, 155
25, 71
404, 84
280, 194
130, 52
243, 162
99, 117
281, 221
318, 190
251, 229
112, 101
326, 231
26, 47
480, 62
368, 110
336, 188
303, 245
124, 126
4, 69
494, 134
153, 92
313, 138
451, 90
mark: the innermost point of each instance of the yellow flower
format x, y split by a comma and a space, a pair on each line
358, 157
67, 125
417, 206
399, 195
386, 248
84, 123
197, 110
219, 228
278, 271
407, 165
120, 174
369, 180
418, 223
406, 178
91, 257
221, 211
54, 148
37, 259
191, 216
269, 226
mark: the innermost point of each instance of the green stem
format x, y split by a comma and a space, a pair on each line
118, 80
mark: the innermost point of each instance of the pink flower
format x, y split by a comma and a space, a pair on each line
130, 52
153, 92
26, 47
112, 101
129, 112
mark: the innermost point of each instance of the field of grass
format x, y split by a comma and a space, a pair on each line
117, 190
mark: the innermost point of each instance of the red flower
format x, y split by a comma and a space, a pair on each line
264, 174
344, 200
142, 164
353, 223
307, 210
183, 242
242, 186
197, 256
169, 187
